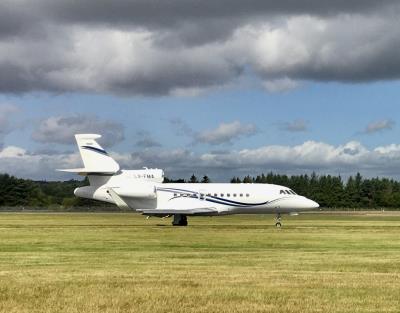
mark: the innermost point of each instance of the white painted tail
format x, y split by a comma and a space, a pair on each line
95, 158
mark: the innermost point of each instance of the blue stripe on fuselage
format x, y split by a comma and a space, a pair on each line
215, 199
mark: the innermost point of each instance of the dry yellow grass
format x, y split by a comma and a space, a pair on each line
123, 263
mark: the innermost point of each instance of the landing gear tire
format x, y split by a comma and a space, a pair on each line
179, 220
278, 223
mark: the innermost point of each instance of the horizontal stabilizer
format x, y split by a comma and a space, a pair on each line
85, 171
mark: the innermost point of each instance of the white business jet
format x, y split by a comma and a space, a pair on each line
143, 191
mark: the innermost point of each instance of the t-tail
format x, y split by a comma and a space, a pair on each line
95, 158
99, 167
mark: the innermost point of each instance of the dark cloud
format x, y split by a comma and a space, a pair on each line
226, 133
181, 128
166, 47
146, 140
165, 13
61, 130
298, 125
378, 126
7, 125
48, 151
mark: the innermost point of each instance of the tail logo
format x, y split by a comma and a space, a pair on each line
98, 150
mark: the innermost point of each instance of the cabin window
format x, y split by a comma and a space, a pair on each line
175, 194
241, 195
215, 195
209, 194
247, 195
222, 194
234, 194
228, 194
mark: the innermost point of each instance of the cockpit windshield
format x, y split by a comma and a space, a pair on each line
287, 192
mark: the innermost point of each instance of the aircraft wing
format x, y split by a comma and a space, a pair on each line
196, 211
185, 206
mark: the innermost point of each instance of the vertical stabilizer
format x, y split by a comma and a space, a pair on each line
94, 157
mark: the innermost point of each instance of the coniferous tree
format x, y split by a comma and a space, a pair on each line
205, 180
247, 179
193, 179
236, 180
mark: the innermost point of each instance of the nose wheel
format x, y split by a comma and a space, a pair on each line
278, 223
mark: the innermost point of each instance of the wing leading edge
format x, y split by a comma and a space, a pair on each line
183, 206
194, 211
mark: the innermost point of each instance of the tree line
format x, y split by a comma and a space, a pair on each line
26, 193
329, 191
334, 192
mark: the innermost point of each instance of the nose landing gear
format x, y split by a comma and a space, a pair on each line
278, 223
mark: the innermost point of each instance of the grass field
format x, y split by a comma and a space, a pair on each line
104, 262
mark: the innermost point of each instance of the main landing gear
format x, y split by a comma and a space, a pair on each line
278, 220
179, 220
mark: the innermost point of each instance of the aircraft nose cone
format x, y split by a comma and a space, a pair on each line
304, 203
297, 203
310, 204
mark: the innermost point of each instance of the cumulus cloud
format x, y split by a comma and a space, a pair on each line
21, 163
298, 125
307, 157
226, 133
61, 130
222, 165
185, 47
378, 126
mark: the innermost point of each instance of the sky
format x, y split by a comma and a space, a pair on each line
219, 88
